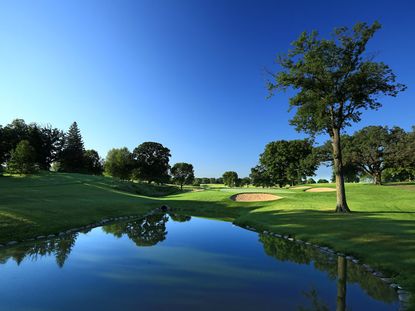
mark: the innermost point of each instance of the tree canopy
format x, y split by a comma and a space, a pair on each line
284, 162
93, 162
230, 178
22, 159
119, 163
72, 155
183, 174
152, 162
335, 81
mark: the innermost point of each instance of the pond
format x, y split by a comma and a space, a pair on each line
175, 262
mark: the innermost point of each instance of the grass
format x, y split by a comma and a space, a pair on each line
380, 231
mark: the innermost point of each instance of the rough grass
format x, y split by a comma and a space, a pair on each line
380, 231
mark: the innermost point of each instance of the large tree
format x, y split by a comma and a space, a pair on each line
119, 163
72, 155
260, 177
183, 174
335, 82
373, 149
152, 161
230, 178
288, 161
93, 162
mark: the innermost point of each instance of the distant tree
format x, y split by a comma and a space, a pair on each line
52, 144
246, 181
22, 159
183, 174
11, 135
205, 180
72, 155
219, 180
212, 180
311, 181
401, 154
197, 181
152, 162
230, 178
260, 177
46, 141
93, 162
335, 82
322, 181
372, 150
119, 163
288, 161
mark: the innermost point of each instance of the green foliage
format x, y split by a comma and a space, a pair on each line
374, 149
285, 162
311, 181
230, 178
197, 181
22, 159
119, 163
152, 162
322, 181
335, 82
92, 162
384, 218
183, 174
260, 177
72, 155
246, 181
46, 141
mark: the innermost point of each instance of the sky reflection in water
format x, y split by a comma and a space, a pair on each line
176, 263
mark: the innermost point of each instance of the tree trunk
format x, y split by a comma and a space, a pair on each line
181, 186
378, 178
341, 206
341, 283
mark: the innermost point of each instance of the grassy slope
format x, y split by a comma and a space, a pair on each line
380, 231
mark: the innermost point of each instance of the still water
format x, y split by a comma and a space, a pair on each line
174, 262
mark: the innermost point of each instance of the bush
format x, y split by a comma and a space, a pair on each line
311, 181
322, 181
22, 159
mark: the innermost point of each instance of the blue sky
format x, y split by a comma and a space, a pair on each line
188, 74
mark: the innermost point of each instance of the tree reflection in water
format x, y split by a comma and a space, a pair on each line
147, 231
143, 232
337, 268
59, 247
151, 230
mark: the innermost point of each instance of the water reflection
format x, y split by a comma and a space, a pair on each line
59, 247
346, 272
152, 230
143, 232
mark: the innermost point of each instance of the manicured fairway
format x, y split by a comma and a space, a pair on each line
380, 231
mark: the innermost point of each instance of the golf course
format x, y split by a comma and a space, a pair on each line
380, 231
207, 155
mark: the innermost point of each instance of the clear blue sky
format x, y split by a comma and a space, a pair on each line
188, 74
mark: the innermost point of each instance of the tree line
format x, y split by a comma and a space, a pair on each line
376, 153
26, 148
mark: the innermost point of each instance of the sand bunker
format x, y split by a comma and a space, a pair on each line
254, 197
300, 187
322, 189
